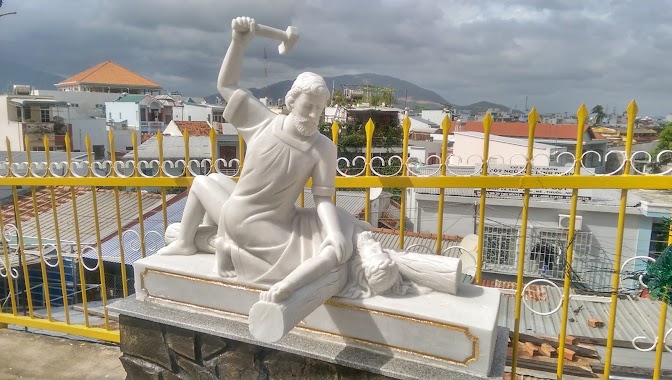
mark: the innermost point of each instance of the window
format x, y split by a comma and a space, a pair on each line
44, 114
500, 244
189, 118
110, 115
208, 117
659, 231
26, 113
547, 252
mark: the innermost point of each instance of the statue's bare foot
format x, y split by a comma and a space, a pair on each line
277, 293
227, 273
178, 248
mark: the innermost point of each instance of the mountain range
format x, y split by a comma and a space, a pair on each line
406, 93
15, 73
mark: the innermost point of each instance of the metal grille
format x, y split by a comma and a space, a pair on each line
500, 245
547, 252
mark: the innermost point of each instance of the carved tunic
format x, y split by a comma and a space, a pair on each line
274, 236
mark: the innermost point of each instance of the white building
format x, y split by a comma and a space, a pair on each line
421, 125
85, 111
28, 116
188, 111
435, 116
547, 228
139, 112
468, 149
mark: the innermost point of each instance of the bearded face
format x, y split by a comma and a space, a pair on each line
305, 126
306, 112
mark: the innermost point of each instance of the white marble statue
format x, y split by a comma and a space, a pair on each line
305, 256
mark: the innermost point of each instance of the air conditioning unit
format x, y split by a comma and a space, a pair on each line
563, 222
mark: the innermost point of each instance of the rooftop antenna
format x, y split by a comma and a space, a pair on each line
526, 109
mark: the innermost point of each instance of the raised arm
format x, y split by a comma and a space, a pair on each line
243, 29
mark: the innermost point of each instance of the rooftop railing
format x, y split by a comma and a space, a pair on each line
71, 228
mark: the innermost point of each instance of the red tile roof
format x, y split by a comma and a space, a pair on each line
520, 129
195, 128
110, 73
533, 292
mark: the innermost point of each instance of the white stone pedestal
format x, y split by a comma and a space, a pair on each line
454, 331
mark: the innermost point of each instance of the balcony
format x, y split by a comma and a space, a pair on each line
151, 126
33, 128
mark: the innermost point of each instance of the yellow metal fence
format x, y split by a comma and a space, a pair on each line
47, 280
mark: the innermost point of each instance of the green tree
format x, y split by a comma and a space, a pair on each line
599, 113
664, 143
338, 99
60, 128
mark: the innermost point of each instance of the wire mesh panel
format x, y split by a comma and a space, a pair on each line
548, 252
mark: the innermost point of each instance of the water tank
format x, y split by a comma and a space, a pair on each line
21, 89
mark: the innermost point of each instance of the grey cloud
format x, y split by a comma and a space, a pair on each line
558, 53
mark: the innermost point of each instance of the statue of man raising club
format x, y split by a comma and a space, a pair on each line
305, 255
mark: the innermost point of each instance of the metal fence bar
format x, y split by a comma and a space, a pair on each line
660, 337
101, 262
533, 117
91, 332
652, 182
334, 137
19, 235
57, 235
487, 123
368, 128
582, 115
9, 269
445, 125
138, 190
78, 240
117, 208
45, 280
161, 174
406, 128
632, 114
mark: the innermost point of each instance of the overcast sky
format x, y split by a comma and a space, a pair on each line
557, 53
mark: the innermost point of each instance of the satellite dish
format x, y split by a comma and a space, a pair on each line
375, 192
468, 254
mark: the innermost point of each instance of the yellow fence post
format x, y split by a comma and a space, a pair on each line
533, 117
17, 219
660, 342
334, 137
101, 262
368, 128
78, 240
487, 124
582, 115
445, 125
632, 114
406, 128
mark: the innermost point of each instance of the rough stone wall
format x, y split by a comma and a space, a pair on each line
161, 352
